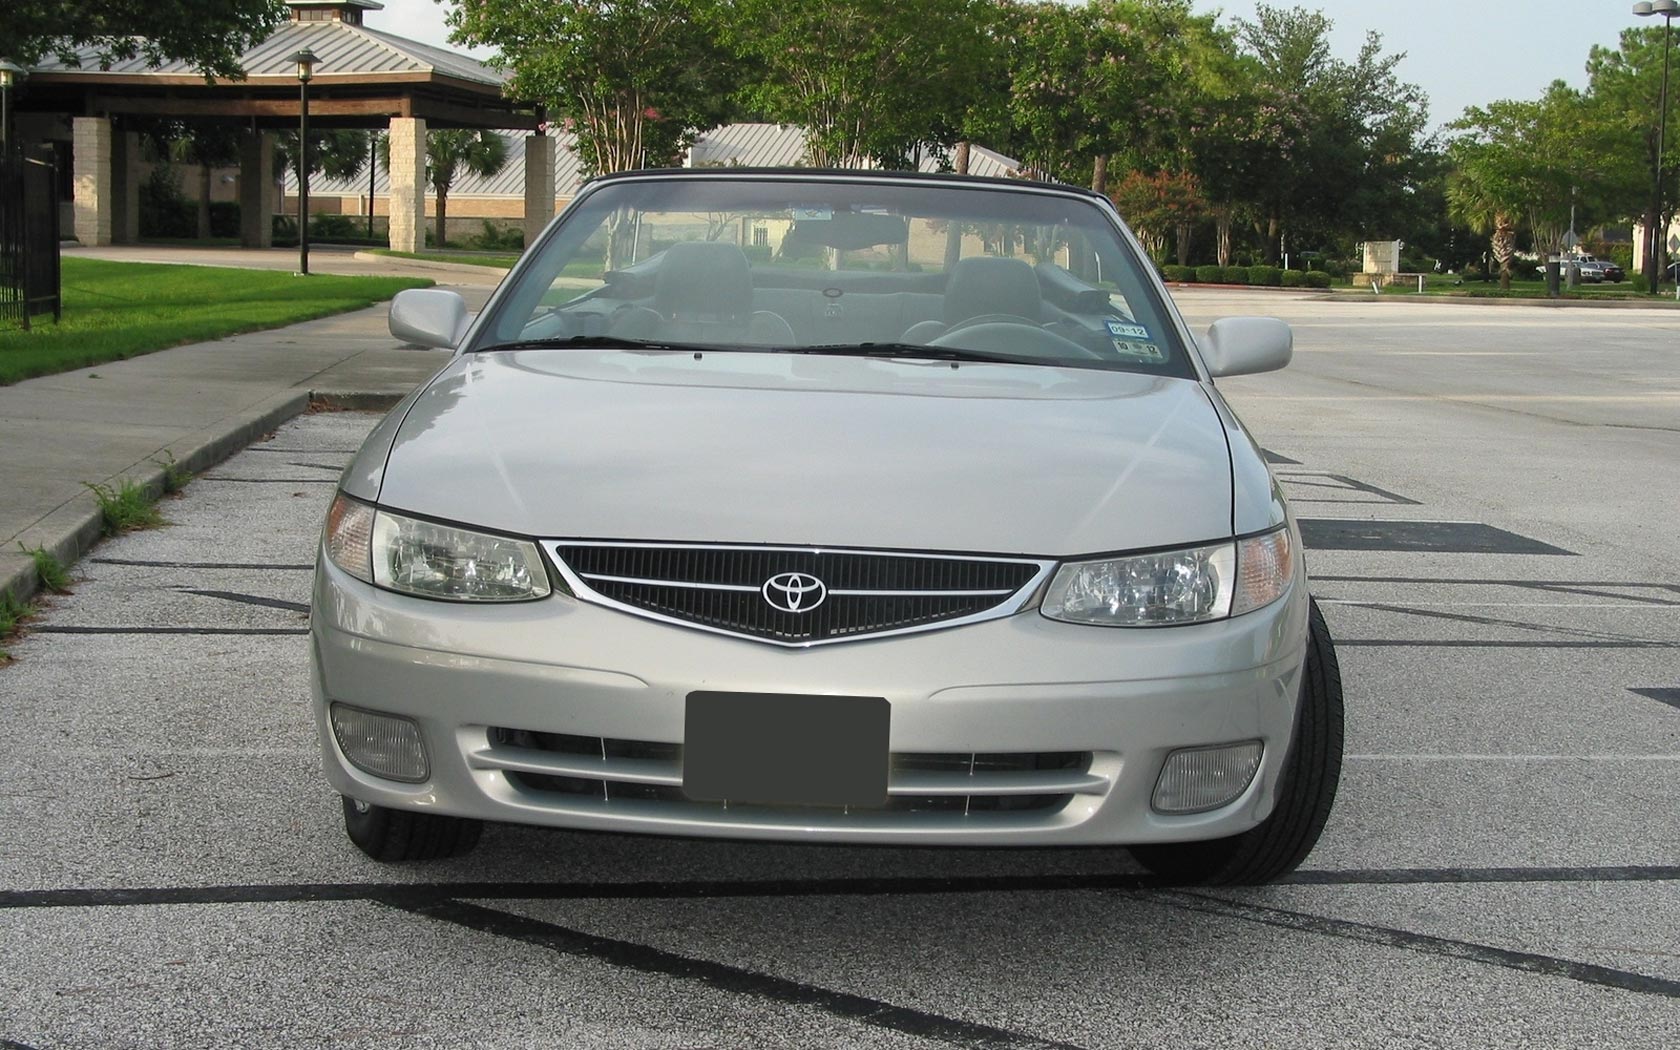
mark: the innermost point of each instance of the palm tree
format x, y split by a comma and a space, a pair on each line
450, 153
1474, 202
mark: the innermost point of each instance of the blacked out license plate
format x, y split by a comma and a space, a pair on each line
786, 749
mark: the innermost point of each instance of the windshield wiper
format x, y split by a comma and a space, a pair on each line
914, 351
591, 342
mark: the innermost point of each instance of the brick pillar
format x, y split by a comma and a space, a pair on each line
539, 185
408, 184
125, 187
95, 206
256, 190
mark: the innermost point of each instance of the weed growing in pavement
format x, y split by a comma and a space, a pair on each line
53, 576
12, 613
175, 476
125, 508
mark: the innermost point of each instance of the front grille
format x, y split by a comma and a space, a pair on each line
569, 770
834, 595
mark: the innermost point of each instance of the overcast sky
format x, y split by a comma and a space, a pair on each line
1462, 52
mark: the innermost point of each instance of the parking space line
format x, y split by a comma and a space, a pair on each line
878, 886
148, 563
1422, 943
658, 962
59, 628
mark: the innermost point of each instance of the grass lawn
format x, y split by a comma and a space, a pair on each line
1448, 285
114, 310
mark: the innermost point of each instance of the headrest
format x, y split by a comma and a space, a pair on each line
703, 280
984, 285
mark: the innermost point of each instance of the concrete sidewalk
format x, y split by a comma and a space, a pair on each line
198, 403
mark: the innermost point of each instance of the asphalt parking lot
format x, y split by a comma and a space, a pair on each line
1489, 500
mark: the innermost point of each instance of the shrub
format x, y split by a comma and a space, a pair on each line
224, 219
1265, 276
1234, 275
499, 239
1179, 273
1316, 279
1294, 278
1210, 274
164, 209
330, 226
1524, 270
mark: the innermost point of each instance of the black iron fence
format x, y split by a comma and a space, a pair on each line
29, 272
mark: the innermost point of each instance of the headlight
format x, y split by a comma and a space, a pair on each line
430, 560
1193, 585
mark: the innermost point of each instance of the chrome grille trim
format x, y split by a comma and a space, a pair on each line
564, 772
1004, 601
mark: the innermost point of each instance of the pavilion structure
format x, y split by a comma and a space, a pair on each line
363, 78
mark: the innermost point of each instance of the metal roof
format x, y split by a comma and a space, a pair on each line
341, 49
733, 145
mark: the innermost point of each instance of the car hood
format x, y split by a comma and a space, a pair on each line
813, 450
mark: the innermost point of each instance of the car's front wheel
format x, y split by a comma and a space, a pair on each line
1305, 791
401, 834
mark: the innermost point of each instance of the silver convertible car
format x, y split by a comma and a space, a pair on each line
827, 507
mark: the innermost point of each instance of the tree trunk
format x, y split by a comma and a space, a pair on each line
1223, 236
1274, 238
443, 218
954, 232
1099, 174
1183, 243
204, 202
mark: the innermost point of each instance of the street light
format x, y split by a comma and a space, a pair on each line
10, 73
305, 60
1653, 238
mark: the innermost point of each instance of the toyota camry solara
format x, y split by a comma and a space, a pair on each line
827, 507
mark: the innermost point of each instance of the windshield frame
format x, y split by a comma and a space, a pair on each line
479, 338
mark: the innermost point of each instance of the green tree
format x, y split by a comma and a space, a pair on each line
870, 81
210, 34
1624, 106
450, 153
1089, 81
636, 80
1533, 157
1342, 142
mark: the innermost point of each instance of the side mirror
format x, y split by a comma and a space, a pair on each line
1240, 346
429, 317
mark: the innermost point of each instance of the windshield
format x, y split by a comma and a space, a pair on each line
840, 266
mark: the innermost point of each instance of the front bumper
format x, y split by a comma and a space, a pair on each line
1023, 684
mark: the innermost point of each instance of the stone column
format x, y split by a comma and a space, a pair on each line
408, 184
93, 156
125, 187
539, 185
256, 190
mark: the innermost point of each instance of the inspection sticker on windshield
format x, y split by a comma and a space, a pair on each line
812, 214
1132, 340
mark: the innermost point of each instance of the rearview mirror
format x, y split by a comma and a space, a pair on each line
430, 317
1240, 346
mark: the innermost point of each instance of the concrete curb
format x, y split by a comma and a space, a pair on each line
76, 528
1403, 298
428, 264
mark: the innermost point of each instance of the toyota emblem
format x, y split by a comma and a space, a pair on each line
794, 592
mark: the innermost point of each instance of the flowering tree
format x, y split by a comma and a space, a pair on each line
635, 80
872, 82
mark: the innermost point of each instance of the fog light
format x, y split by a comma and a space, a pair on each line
1197, 779
387, 746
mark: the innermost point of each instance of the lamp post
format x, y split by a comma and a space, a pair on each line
1654, 237
305, 60
10, 73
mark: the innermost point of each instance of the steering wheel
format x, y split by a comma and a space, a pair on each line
1011, 336
989, 319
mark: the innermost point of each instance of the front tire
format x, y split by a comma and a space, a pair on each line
392, 835
1305, 792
